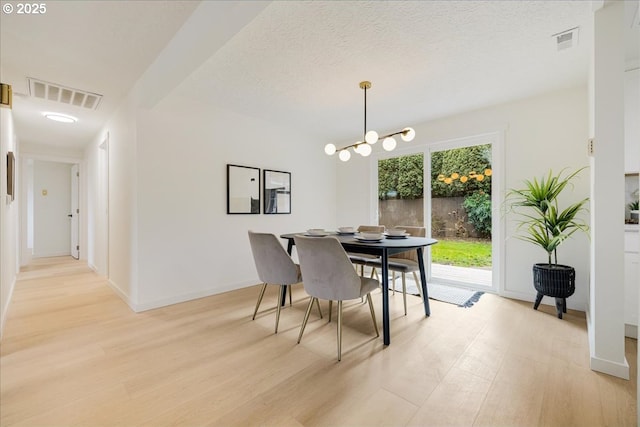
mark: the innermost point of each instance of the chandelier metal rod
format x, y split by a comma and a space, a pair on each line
365, 112
364, 142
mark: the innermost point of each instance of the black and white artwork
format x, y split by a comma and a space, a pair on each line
277, 192
243, 190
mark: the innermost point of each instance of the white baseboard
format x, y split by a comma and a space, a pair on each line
52, 254
122, 295
191, 296
138, 308
620, 370
531, 297
5, 308
631, 331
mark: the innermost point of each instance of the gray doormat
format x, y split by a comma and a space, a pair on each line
449, 294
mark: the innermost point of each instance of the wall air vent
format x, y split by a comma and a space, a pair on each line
62, 94
566, 39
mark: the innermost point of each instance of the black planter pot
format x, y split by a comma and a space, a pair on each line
555, 280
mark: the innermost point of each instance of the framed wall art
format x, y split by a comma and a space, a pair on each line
277, 192
243, 190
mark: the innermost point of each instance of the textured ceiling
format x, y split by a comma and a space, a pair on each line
299, 63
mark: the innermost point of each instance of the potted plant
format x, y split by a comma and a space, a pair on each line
543, 223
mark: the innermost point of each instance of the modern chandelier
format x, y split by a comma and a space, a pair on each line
371, 137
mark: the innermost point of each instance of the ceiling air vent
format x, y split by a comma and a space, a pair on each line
65, 95
566, 39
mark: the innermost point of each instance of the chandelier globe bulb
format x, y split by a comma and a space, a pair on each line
330, 149
365, 150
389, 143
408, 134
344, 155
371, 137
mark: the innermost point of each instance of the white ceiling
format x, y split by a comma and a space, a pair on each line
299, 63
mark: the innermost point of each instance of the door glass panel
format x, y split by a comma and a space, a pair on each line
401, 191
461, 215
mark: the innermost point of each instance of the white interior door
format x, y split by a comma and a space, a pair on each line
52, 204
75, 212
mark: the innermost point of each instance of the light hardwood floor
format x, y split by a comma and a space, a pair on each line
74, 354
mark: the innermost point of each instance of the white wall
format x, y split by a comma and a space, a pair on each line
170, 238
123, 217
9, 221
188, 245
541, 133
52, 226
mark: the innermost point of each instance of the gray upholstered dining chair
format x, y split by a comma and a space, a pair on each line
361, 259
274, 266
404, 262
329, 275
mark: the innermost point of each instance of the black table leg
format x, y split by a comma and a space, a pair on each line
386, 335
284, 293
423, 280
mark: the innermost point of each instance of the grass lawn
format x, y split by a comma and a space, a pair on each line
462, 253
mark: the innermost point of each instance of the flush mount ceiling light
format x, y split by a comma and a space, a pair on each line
371, 137
59, 117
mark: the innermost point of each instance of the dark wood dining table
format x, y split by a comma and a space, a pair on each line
384, 248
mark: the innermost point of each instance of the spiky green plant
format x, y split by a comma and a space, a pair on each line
541, 221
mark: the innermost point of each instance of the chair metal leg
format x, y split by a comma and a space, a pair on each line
404, 293
393, 282
306, 317
415, 277
283, 289
373, 314
289, 292
339, 330
318, 305
264, 288
330, 305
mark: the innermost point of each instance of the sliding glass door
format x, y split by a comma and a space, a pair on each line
452, 189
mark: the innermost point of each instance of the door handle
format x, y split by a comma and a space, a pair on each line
70, 215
